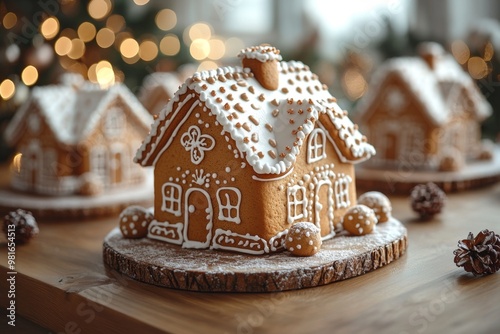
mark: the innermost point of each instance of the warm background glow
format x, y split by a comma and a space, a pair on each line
29, 75
7, 89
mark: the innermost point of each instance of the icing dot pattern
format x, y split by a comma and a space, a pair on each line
359, 220
379, 203
270, 126
303, 239
135, 221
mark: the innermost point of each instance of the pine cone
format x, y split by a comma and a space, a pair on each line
22, 223
427, 200
479, 255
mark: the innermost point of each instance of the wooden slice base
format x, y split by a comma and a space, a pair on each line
76, 207
400, 181
171, 266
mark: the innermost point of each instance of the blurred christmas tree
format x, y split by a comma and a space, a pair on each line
103, 40
480, 56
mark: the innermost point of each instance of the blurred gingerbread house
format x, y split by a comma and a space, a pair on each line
423, 112
76, 138
157, 88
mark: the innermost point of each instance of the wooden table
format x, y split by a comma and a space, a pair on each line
62, 285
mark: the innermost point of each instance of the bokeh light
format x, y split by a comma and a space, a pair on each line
9, 20
86, 31
354, 84
217, 49
103, 64
460, 51
16, 163
489, 51
170, 45
29, 75
99, 9
148, 50
92, 73
105, 77
115, 22
120, 37
166, 19
199, 49
200, 31
77, 49
477, 67
141, 2
105, 38
50, 28
129, 48
62, 46
7, 89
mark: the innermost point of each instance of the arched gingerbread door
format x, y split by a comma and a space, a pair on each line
198, 216
323, 207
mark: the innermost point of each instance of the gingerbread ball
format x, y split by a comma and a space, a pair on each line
359, 220
134, 222
20, 226
303, 239
379, 203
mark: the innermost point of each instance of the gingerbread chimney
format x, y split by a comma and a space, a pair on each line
263, 62
430, 52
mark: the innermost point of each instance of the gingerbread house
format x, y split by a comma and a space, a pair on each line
423, 113
76, 138
157, 88
240, 154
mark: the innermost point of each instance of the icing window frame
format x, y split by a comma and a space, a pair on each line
226, 206
316, 146
342, 191
171, 203
99, 162
114, 122
297, 208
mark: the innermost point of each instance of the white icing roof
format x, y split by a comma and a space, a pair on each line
433, 88
267, 126
73, 113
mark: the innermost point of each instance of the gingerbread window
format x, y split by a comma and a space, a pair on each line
171, 198
297, 203
316, 146
99, 162
114, 123
342, 191
229, 200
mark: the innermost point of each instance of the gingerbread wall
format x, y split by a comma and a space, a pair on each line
118, 146
203, 181
398, 127
220, 167
44, 159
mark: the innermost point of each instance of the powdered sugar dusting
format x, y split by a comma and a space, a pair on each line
165, 260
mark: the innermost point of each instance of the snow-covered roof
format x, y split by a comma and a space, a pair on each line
72, 113
268, 126
167, 81
432, 86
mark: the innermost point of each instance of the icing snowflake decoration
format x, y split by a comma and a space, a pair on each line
197, 144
